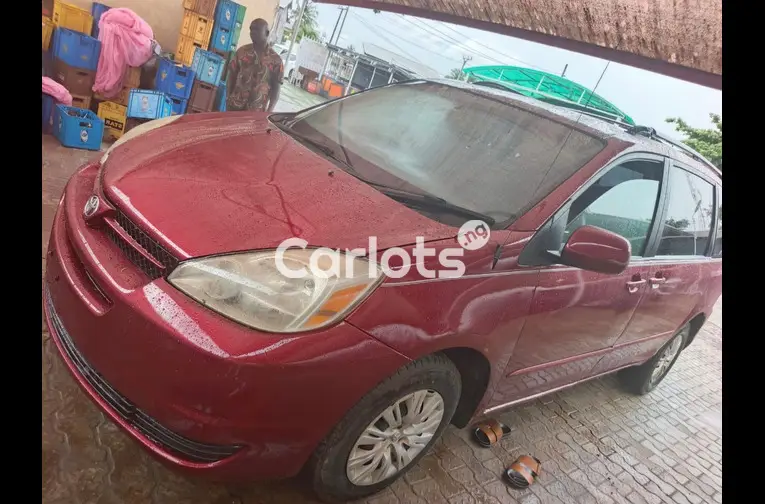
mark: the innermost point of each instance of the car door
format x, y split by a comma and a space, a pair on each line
577, 315
678, 266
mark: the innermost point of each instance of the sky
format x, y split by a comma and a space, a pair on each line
649, 98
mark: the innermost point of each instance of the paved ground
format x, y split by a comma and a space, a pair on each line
597, 444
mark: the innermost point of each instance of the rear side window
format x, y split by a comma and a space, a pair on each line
717, 250
688, 222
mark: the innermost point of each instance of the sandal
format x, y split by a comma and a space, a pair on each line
490, 432
523, 472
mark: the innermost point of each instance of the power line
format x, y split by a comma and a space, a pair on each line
438, 33
419, 46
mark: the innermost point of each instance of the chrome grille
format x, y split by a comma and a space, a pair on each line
148, 244
168, 440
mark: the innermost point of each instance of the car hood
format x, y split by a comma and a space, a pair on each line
216, 183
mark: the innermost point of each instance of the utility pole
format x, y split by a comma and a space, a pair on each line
296, 29
341, 24
564, 70
336, 23
465, 59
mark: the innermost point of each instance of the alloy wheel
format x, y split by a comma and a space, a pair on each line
395, 437
666, 359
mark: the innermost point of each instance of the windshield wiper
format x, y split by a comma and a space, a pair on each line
329, 151
422, 200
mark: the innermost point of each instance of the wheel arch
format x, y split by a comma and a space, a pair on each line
475, 374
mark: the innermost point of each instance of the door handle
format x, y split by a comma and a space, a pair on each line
633, 286
656, 281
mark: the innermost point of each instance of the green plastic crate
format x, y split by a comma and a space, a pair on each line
240, 15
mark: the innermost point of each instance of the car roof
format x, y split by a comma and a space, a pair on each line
643, 139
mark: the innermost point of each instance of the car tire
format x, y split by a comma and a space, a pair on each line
644, 378
289, 76
424, 382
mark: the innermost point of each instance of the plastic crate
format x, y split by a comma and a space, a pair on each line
148, 104
235, 37
78, 128
173, 79
47, 32
121, 98
221, 39
178, 105
240, 12
97, 10
204, 7
208, 66
81, 101
48, 104
220, 99
77, 81
196, 26
114, 116
72, 17
76, 49
186, 49
47, 8
203, 97
226, 14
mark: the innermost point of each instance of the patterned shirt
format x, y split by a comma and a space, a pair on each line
254, 78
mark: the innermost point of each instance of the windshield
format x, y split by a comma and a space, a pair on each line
463, 154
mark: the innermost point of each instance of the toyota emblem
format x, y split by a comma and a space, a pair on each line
91, 207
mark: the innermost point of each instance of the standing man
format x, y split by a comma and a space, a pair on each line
255, 73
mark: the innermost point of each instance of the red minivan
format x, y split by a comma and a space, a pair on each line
595, 247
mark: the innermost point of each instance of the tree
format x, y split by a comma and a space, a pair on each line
707, 142
309, 26
455, 73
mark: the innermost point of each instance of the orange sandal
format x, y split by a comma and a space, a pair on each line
489, 432
524, 471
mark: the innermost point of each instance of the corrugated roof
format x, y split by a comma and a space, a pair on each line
400, 61
680, 39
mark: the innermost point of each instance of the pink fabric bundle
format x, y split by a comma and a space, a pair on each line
57, 91
125, 41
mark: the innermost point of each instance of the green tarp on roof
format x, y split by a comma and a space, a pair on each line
549, 88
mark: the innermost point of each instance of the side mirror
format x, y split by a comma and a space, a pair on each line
595, 249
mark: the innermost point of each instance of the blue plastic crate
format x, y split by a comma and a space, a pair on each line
97, 9
48, 104
76, 49
173, 79
226, 13
208, 66
220, 99
148, 104
221, 39
178, 106
78, 128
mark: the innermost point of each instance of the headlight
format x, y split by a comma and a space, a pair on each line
250, 289
138, 130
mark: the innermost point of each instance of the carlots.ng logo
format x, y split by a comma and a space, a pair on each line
473, 235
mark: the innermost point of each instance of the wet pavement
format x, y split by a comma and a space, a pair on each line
597, 443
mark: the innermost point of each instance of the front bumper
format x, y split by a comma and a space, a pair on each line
197, 390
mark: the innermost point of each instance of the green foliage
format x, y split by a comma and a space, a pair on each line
454, 73
707, 142
309, 26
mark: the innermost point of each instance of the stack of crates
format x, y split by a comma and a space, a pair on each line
229, 17
196, 28
75, 59
176, 81
208, 70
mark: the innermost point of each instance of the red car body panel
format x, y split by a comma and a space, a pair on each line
197, 373
214, 381
269, 188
